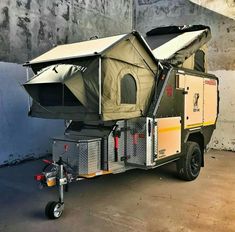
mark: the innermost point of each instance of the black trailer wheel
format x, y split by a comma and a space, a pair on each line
189, 166
54, 209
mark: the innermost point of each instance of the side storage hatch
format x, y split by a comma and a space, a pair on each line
167, 137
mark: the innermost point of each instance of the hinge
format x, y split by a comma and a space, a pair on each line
181, 71
123, 158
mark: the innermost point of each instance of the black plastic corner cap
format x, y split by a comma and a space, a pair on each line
26, 63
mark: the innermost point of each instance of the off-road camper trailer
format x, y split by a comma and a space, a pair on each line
133, 102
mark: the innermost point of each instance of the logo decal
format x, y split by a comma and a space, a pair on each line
195, 102
210, 82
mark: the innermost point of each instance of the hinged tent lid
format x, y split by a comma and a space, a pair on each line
174, 44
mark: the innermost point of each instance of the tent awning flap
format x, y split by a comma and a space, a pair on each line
55, 74
61, 79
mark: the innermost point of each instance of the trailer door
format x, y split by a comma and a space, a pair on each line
193, 101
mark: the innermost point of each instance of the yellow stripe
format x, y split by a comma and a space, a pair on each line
200, 124
169, 129
208, 123
194, 125
99, 173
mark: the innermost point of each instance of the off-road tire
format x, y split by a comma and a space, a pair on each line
189, 165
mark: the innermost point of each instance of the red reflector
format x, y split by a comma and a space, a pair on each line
66, 146
39, 177
116, 142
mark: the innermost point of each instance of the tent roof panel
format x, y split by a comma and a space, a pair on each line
169, 49
76, 50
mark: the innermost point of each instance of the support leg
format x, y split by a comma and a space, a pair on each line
55, 209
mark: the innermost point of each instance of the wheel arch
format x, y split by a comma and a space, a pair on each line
199, 139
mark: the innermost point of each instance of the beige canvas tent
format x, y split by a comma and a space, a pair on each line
110, 78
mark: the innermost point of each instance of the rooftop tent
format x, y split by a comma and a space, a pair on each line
109, 78
175, 44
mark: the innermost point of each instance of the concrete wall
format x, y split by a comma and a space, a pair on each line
221, 54
224, 135
224, 7
27, 29
30, 27
20, 136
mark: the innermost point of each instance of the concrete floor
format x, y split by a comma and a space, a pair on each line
137, 200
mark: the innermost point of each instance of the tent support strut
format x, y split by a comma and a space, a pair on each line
100, 86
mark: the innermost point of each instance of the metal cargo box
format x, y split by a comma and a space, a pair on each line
81, 153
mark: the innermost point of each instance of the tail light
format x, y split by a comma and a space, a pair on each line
39, 177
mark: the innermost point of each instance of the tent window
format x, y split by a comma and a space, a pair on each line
128, 90
56, 95
199, 61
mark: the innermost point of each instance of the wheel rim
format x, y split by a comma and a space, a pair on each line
58, 210
195, 162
